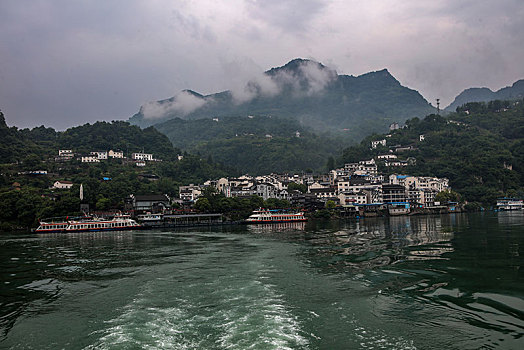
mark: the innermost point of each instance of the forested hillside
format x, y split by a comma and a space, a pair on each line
26, 195
480, 148
254, 144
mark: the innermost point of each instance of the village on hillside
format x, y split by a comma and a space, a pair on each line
355, 189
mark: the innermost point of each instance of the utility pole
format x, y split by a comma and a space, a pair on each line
438, 106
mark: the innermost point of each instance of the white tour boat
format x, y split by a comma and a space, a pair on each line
88, 224
510, 204
265, 216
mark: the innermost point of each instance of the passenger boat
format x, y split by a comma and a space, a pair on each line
148, 217
88, 224
510, 204
149, 220
52, 225
265, 216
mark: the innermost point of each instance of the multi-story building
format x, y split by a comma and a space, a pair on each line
267, 190
393, 193
352, 198
67, 153
90, 159
115, 154
189, 193
102, 155
387, 157
142, 156
324, 193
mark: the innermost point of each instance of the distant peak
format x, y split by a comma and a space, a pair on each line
194, 93
474, 89
295, 64
383, 74
518, 83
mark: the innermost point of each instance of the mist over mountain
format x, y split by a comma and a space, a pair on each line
516, 91
304, 90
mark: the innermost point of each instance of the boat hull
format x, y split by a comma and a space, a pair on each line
272, 221
104, 229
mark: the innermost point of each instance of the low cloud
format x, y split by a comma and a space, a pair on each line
182, 104
258, 85
311, 78
317, 77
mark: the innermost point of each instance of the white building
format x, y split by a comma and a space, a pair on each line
352, 198
387, 156
63, 184
90, 159
267, 190
142, 156
189, 193
65, 152
396, 163
424, 197
324, 193
116, 154
102, 155
420, 182
374, 144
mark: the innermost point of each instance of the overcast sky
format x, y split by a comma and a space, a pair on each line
65, 63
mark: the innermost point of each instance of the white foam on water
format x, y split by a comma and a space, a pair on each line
267, 324
229, 312
147, 328
376, 339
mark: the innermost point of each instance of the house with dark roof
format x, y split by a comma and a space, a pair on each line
150, 202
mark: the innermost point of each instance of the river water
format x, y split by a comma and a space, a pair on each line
428, 282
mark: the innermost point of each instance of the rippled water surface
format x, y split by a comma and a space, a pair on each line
439, 282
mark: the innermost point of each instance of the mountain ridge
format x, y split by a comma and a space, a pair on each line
484, 94
305, 90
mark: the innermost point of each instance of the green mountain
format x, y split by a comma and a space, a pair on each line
256, 145
480, 148
304, 90
516, 91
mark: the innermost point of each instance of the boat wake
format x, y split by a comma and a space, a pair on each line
229, 312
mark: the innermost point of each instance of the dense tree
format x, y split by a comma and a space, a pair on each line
293, 186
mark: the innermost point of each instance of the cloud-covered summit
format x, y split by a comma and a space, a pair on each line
302, 89
182, 103
300, 77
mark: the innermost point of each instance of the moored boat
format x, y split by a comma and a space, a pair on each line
265, 216
510, 204
52, 225
88, 224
